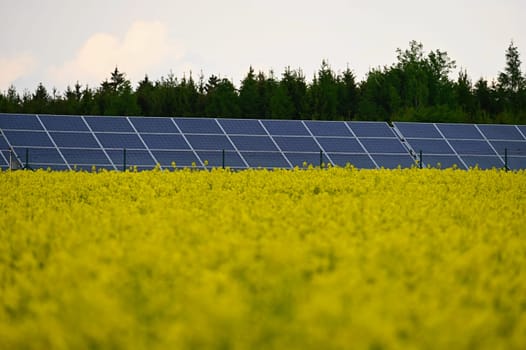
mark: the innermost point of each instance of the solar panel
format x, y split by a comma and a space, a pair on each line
442, 161
74, 139
517, 148
165, 141
198, 126
181, 158
459, 131
297, 144
82, 156
209, 142
340, 144
28, 138
242, 126
418, 130
302, 159
356, 160
154, 125
63, 123
265, 160
131, 158
62, 142
483, 162
393, 161
215, 159
254, 143
371, 129
285, 127
430, 146
111, 140
323, 128
109, 124
386, 145
500, 132
19, 122
467, 147
44, 156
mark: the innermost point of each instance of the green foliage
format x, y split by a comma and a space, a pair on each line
417, 87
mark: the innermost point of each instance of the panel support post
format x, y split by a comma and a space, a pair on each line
223, 159
124, 159
27, 158
321, 159
420, 160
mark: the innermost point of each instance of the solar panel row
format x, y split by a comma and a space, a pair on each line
466, 145
67, 142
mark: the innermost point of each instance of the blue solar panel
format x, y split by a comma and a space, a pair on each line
522, 129
418, 130
4, 159
181, 158
109, 140
133, 157
265, 159
253, 143
340, 144
63, 123
430, 146
300, 159
501, 132
286, 127
383, 145
109, 124
19, 122
483, 162
517, 163
471, 147
215, 159
39, 155
393, 161
517, 148
154, 125
242, 127
460, 131
71, 139
357, 160
322, 128
198, 126
82, 156
3, 142
28, 138
371, 129
442, 161
297, 144
209, 142
165, 141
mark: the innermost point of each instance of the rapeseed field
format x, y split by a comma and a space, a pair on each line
334, 258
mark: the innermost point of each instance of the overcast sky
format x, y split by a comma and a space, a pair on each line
59, 42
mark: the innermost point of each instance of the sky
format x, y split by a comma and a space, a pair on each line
60, 42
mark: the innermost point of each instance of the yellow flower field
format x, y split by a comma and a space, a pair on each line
307, 259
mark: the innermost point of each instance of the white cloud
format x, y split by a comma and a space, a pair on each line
144, 47
15, 67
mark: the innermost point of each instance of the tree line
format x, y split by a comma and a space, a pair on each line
417, 87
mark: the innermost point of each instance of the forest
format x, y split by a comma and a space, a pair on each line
418, 87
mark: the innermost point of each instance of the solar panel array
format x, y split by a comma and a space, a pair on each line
81, 142
467, 145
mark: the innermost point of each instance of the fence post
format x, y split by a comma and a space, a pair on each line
420, 162
223, 159
124, 159
506, 159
